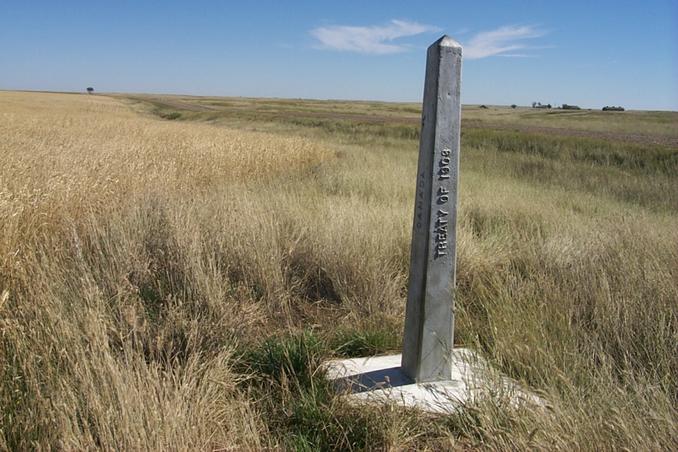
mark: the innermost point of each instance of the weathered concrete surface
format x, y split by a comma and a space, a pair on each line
380, 379
429, 319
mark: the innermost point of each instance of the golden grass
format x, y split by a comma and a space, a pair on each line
86, 187
140, 257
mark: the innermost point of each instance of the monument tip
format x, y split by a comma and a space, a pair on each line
446, 41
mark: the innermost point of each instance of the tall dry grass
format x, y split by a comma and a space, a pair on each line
156, 275
104, 343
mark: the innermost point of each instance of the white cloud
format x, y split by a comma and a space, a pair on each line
504, 41
374, 39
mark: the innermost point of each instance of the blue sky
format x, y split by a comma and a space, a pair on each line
590, 53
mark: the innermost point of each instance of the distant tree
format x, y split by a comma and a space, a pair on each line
90, 90
513, 105
534, 104
484, 107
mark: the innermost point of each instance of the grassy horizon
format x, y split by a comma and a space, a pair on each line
172, 273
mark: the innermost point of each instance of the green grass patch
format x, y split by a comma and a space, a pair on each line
301, 407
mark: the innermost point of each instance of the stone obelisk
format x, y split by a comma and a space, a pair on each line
429, 321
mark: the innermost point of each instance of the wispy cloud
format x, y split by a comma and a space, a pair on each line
507, 41
374, 39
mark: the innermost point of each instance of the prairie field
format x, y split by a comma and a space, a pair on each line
175, 269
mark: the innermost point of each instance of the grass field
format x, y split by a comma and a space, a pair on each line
173, 270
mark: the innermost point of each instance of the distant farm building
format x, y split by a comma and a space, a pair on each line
540, 105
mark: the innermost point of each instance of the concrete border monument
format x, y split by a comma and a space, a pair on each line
429, 319
430, 373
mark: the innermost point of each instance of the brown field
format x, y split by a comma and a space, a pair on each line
173, 270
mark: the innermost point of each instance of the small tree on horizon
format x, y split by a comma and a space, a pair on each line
90, 90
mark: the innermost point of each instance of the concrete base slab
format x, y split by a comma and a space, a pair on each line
380, 379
